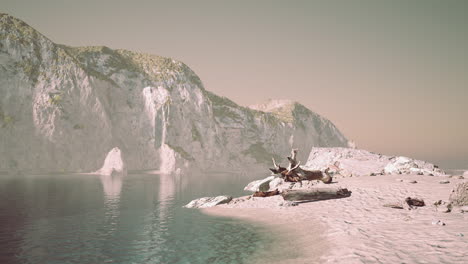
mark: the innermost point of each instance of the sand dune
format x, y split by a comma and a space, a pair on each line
359, 229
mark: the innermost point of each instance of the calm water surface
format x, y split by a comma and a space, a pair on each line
133, 219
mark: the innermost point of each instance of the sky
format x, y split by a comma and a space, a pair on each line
391, 75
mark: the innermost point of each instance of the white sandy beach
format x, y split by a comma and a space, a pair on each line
359, 229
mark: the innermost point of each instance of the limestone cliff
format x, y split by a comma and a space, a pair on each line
64, 108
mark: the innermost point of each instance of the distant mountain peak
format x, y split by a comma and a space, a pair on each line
284, 109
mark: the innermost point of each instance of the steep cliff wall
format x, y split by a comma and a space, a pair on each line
64, 108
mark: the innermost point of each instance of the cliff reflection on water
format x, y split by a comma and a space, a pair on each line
133, 218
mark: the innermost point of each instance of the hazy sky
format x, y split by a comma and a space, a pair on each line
392, 75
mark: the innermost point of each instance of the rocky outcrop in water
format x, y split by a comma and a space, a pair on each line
113, 164
62, 108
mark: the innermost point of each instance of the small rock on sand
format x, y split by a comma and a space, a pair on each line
445, 207
438, 222
415, 202
288, 204
444, 182
410, 181
463, 209
409, 203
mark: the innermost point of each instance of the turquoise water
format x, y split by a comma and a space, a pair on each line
133, 219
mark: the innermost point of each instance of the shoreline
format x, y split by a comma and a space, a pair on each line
288, 245
359, 228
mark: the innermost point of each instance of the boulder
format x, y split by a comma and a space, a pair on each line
414, 202
400, 165
206, 202
459, 195
280, 184
346, 161
259, 185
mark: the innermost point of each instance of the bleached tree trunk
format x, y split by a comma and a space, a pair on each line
315, 194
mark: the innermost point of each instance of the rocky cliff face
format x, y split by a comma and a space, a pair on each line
64, 108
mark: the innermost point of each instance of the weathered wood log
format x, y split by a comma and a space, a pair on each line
315, 194
394, 205
294, 173
266, 194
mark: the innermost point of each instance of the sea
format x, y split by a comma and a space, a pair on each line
138, 218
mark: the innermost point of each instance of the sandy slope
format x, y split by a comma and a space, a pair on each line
359, 229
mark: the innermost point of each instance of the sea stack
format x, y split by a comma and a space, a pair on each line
113, 164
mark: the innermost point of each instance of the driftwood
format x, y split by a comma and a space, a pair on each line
394, 205
315, 194
294, 173
266, 194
